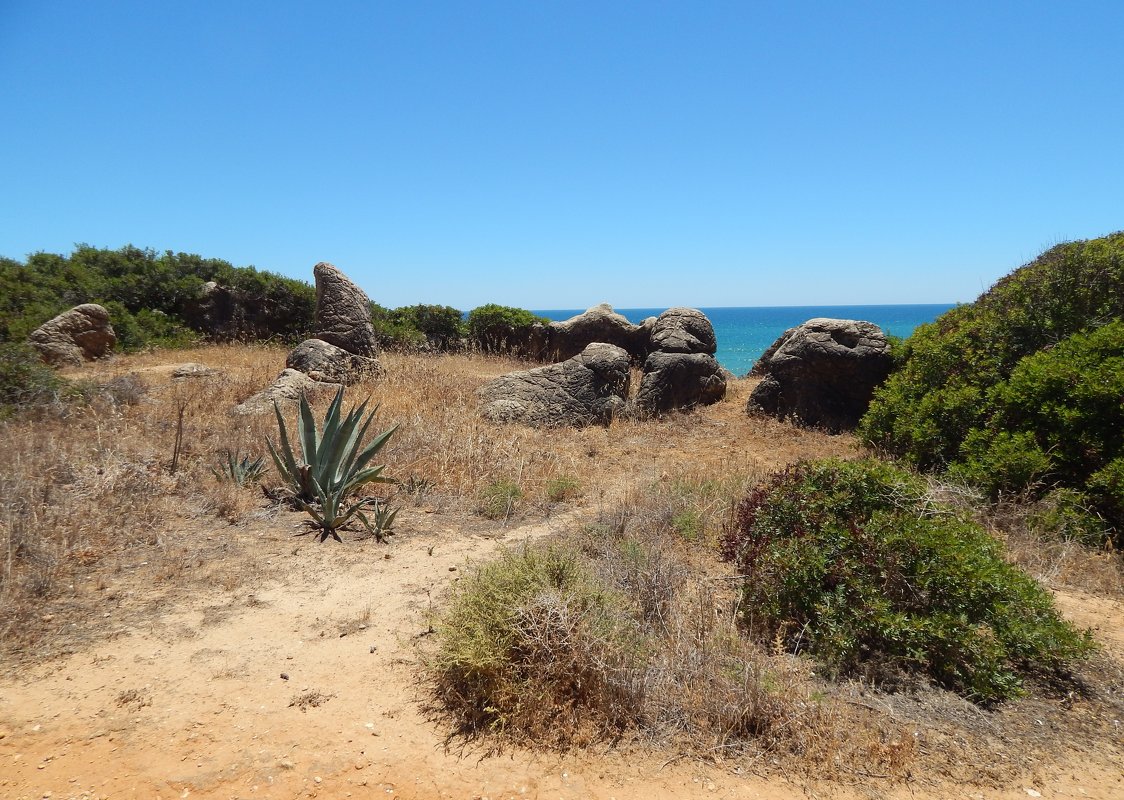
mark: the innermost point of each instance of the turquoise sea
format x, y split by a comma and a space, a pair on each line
744, 333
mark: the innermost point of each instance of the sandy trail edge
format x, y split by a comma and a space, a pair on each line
193, 705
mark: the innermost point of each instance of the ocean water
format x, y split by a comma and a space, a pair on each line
745, 333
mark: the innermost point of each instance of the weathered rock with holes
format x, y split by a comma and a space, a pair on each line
192, 369
288, 387
322, 361
588, 389
822, 373
343, 312
680, 381
598, 324
81, 334
683, 330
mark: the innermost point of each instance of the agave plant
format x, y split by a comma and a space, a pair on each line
333, 463
241, 471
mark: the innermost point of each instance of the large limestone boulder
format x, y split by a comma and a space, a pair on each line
587, 389
683, 330
288, 387
322, 361
82, 333
343, 312
598, 324
822, 373
679, 381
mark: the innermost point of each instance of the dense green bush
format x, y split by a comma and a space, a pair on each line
1021, 389
499, 329
410, 327
153, 298
1058, 419
24, 379
853, 562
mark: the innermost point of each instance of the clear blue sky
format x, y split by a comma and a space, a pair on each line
560, 154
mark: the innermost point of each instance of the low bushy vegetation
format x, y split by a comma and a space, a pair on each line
621, 631
24, 379
501, 329
1020, 391
153, 298
535, 646
854, 563
164, 300
498, 499
563, 488
431, 327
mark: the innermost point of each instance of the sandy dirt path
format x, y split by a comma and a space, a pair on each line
194, 703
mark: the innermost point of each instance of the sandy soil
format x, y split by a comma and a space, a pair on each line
292, 670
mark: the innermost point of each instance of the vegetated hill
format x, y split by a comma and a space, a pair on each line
1022, 390
154, 298
163, 299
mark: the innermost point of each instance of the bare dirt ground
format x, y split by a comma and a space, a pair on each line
275, 666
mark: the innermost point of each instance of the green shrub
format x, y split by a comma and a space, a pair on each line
442, 326
925, 410
1057, 420
500, 329
24, 379
532, 645
394, 331
1067, 515
153, 298
852, 562
498, 500
688, 523
1019, 391
565, 487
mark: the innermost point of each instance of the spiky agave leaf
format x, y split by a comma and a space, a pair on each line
333, 463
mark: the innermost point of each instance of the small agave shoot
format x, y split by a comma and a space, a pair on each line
241, 471
332, 465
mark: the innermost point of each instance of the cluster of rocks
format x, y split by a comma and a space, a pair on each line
81, 334
822, 373
342, 351
590, 383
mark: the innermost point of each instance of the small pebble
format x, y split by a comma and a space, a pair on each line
284, 676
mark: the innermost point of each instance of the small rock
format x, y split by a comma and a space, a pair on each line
317, 779
284, 676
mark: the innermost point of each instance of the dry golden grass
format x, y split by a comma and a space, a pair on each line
84, 487
83, 484
87, 495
